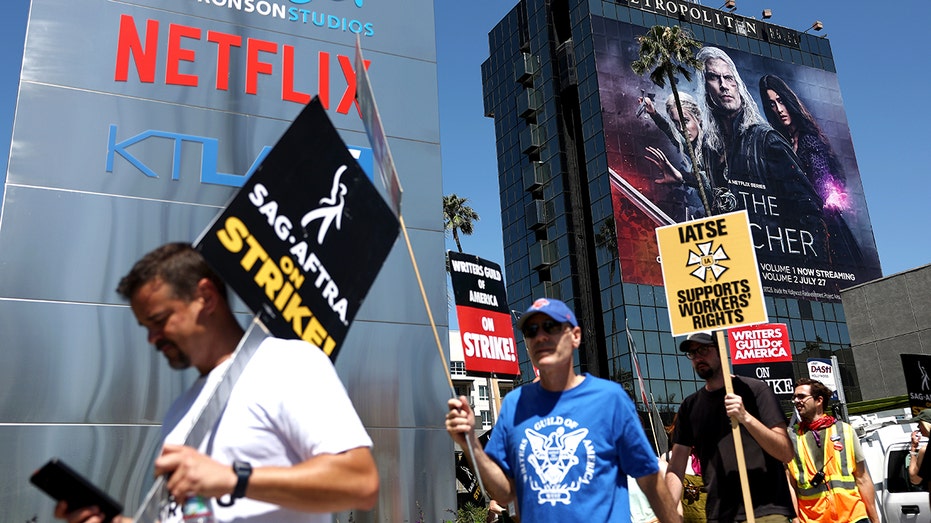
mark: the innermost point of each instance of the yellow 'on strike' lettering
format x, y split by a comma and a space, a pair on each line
271, 279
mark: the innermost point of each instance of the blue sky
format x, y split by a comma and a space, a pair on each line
879, 70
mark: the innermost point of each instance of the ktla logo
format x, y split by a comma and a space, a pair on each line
171, 145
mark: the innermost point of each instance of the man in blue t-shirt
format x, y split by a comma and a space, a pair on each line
563, 446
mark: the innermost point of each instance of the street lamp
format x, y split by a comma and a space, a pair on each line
817, 26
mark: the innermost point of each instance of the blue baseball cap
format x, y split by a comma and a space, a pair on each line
555, 309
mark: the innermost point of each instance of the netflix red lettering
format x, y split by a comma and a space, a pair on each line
268, 64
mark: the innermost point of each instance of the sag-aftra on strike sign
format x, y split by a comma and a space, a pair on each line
710, 274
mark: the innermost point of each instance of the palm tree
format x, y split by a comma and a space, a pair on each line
457, 216
667, 52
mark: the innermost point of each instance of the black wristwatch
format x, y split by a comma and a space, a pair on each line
243, 470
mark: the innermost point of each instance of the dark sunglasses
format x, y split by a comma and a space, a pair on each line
549, 326
701, 351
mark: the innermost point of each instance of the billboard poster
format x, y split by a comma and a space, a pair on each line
710, 276
303, 240
770, 137
484, 317
763, 352
917, 382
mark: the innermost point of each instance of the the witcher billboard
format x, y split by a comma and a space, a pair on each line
768, 136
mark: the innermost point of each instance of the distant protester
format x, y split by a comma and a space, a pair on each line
919, 466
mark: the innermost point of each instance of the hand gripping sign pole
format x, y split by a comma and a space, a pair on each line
157, 499
365, 98
710, 265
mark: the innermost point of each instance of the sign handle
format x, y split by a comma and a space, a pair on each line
735, 426
439, 344
839, 381
495, 393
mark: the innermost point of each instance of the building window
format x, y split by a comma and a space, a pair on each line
463, 390
486, 418
483, 392
457, 368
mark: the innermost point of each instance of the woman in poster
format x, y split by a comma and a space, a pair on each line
685, 186
787, 114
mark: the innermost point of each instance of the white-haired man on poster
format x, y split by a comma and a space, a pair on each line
753, 167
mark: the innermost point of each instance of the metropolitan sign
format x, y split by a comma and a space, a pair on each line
710, 274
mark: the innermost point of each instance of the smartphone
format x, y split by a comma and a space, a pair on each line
62, 482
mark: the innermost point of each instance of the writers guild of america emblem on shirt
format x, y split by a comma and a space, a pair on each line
556, 469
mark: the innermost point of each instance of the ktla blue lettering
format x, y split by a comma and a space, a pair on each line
209, 157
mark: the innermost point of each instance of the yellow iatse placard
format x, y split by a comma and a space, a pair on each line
710, 274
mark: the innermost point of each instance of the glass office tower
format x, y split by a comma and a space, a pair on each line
578, 167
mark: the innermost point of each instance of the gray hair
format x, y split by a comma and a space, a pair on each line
690, 106
751, 112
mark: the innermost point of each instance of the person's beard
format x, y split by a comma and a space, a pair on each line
705, 372
177, 359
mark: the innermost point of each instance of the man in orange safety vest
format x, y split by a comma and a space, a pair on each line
828, 473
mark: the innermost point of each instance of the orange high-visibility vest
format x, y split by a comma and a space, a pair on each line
836, 499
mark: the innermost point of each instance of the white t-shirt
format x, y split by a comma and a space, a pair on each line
287, 406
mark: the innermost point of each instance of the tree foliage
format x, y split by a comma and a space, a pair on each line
458, 217
666, 53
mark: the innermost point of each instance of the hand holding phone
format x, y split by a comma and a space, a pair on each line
63, 483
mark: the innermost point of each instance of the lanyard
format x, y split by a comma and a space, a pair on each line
157, 498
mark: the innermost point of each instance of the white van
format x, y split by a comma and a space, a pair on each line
902, 501
886, 451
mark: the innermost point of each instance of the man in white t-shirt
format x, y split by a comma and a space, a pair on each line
289, 447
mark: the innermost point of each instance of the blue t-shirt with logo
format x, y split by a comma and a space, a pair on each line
570, 452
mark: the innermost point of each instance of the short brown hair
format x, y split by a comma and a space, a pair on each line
818, 390
177, 264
